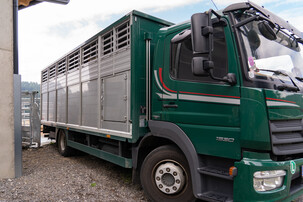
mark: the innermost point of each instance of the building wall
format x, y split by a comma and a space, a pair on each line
7, 159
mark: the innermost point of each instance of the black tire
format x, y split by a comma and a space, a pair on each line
163, 187
63, 149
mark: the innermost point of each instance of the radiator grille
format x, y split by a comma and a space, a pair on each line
287, 137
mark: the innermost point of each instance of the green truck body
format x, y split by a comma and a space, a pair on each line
224, 126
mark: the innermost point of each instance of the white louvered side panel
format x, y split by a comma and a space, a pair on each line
122, 61
61, 81
89, 72
107, 65
52, 84
44, 87
73, 77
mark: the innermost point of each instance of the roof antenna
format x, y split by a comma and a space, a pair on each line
214, 4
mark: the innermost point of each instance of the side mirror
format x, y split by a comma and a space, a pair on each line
231, 79
201, 33
267, 30
201, 66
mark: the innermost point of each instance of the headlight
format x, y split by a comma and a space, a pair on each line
268, 180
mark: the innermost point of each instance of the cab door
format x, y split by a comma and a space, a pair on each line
205, 109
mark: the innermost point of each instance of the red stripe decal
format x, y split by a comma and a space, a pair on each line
209, 94
280, 100
161, 80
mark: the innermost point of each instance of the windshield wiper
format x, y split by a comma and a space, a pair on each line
287, 87
284, 86
299, 78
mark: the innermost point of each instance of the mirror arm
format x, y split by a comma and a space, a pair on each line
253, 18
215, 13
229, 78
248, 20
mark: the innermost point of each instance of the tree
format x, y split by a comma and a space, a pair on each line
30, 86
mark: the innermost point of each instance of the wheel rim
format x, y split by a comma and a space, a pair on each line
62, 142
169, 177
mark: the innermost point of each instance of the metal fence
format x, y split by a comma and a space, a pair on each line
30, 119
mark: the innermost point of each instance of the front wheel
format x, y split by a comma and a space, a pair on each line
165, 175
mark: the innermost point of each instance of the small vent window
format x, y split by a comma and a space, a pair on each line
74, 60
44, 76
52, 72
62, 67
122, 35
90, 52
108, 43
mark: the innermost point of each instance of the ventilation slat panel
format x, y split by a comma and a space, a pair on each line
62, 67
122, 36
74, 60
44, 76
52, 72
90, 52
107, 43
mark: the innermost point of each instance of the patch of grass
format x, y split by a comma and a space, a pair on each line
127, 177
93, 184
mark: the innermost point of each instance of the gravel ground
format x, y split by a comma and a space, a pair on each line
47, 176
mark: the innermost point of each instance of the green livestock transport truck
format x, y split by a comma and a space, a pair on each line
211, 108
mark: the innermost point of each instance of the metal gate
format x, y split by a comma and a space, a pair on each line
30, 119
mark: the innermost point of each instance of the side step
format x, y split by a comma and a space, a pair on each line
215, 172
211, 196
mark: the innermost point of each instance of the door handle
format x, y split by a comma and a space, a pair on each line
170, 106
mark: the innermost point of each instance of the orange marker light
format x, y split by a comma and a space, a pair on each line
231, 170
108, 136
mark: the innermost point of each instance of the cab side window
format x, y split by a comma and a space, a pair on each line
181, 57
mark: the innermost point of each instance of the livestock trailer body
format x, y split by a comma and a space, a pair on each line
99, 87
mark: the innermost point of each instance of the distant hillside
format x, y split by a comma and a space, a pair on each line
30, 86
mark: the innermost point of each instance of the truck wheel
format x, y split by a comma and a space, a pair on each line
165, 175
64, 150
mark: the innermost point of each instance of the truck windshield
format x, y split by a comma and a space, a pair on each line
276, 61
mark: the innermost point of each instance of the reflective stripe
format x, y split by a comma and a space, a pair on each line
275, 104
209, 99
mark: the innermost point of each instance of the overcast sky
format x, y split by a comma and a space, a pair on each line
48, 31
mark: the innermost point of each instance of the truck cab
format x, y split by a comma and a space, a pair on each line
231, 83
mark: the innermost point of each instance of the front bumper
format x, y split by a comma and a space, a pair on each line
243, 183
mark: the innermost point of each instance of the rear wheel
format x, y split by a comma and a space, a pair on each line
165, 175
64, 150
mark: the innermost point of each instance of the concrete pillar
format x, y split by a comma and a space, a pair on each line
7, 146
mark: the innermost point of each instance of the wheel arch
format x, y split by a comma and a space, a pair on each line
163, 133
